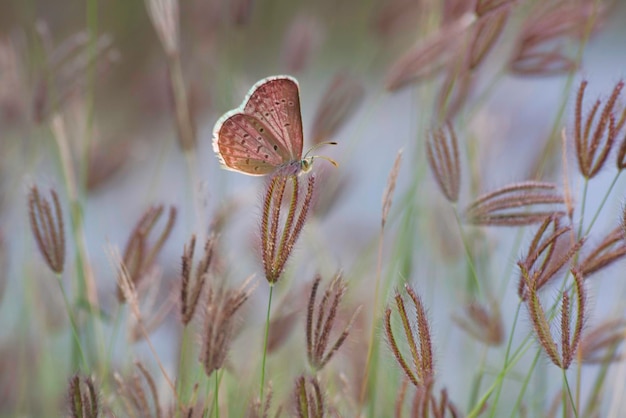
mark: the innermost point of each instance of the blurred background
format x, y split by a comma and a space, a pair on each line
102, 76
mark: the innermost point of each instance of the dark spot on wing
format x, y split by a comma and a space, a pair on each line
261, 130
275, 147
266, 156
259, 147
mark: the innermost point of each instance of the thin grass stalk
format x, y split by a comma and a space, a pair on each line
386, 207
266, 338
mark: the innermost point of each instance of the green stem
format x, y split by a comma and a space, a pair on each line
518, 402
216, 395
267, 332
567, 396
76, 346
604, 199
466, 247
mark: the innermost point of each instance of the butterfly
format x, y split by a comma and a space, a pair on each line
264, 134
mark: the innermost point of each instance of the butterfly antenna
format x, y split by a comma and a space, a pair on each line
330, 160
316, 146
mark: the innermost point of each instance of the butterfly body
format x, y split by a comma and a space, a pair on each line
264, 134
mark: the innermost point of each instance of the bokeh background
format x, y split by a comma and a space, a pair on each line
118, 114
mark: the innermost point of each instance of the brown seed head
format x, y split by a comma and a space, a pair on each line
319, 324
599, 345
65, 67
338, 103
429, 56
569, 344
442, 150
416, 336
308, 398
492, 19
515, 205
219, 322
425, 404
549, 251
191, 287
82, 398
611, 249
391, 187
551, 23
136, 401
48, 228
138, 255
277, 244
594, 145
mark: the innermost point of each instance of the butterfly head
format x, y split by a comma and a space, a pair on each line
306, 163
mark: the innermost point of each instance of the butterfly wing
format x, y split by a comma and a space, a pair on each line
275, 101
245, 144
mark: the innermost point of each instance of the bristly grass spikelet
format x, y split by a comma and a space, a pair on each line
594, 145
48, 228
390, 189
568, 343
549, 252
611, 249
552, 23
515, 205
136, 401
192, 284
138, 255
279, 233
308, 398
320, 321
600, 343
220, 306
416, 336
442, 151
83, 398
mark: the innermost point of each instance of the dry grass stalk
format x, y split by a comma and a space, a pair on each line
191, 287
483, 324
515, 205
599, 344
136, 401
611, 249
391, 187
138, 256
309, 399
549, 251
164, 17
593, 147
341, 98
455, 90
48, 228
302, 40
569, 343
278, 244
428, 57
416, 335
539, 44
319, 324
83, 398
442, 151
221, 305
